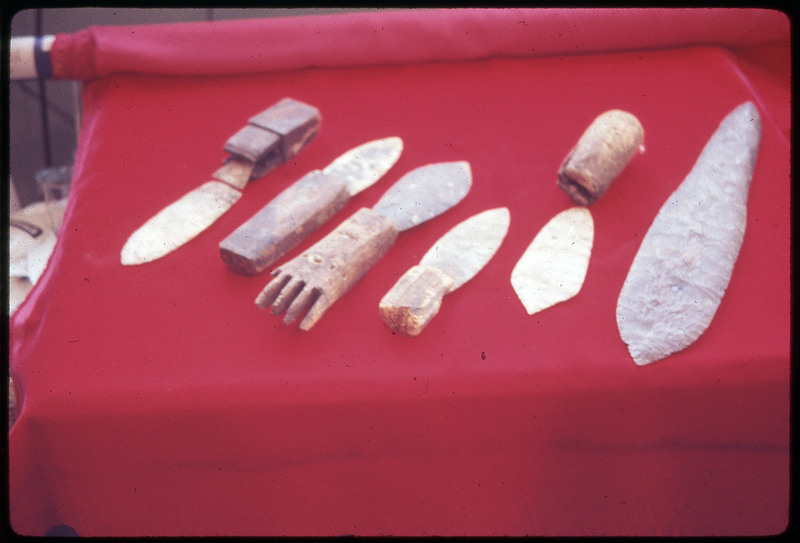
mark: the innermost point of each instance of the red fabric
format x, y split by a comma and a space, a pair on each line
158, 400
368, 38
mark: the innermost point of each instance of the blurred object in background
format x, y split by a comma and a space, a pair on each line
13, 197
33, 231
54, 182
12, 403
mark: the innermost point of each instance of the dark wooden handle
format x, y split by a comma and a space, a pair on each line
275, 135
283, 223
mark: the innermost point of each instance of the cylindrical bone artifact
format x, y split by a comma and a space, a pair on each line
600, 155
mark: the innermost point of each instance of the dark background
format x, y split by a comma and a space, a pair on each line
44, 116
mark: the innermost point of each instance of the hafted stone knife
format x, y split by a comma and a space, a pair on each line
453, 260
268, 140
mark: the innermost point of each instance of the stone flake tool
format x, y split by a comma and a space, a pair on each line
683, 267
553, 267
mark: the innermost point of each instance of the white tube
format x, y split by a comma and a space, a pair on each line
23, 52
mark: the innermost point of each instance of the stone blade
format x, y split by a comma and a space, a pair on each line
464, 250
553, 267
683, 267
424, 193
360, 167
179, 222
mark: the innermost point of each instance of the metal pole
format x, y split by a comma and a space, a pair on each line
48, 159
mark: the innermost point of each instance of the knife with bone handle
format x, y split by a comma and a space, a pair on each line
318, 277
453, 260
553, 267
306, 205
269, 139
684, 264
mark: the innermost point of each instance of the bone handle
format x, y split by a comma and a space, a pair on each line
283, 223
415, 299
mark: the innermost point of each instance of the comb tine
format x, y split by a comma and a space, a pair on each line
303, 301
271, 291
287, 295
316, 311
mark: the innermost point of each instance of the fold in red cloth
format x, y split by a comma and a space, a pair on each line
396, 37
158, 400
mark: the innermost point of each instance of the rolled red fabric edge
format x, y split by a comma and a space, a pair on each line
401, 36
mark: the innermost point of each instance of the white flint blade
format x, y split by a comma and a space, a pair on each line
684, 265
553, 267
179, 222
362, 166
464, 250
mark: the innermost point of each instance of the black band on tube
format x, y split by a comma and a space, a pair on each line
41, 58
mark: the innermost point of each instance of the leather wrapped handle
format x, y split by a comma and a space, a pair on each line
601, 154
283, 223
321, 275
415, 299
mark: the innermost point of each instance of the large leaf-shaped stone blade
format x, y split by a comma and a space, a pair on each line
684, 265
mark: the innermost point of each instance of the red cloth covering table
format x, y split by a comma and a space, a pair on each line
158, 400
